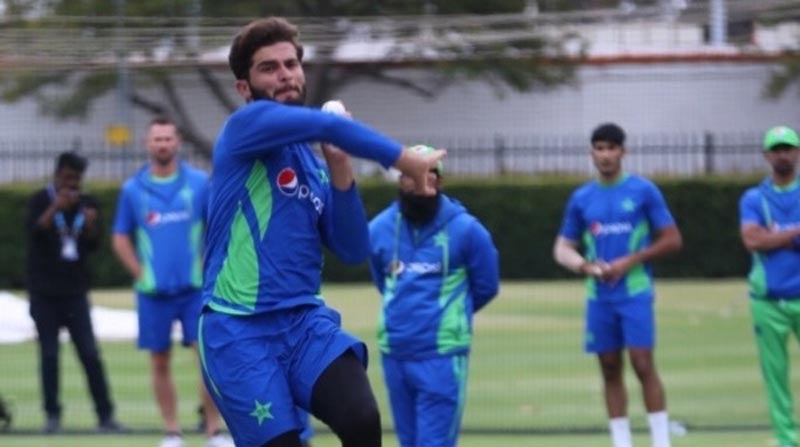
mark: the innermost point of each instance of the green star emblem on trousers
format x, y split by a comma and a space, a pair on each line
261, 412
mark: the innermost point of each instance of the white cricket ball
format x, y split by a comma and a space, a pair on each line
334, 106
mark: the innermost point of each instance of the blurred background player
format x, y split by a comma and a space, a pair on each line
770, 230
623, 223
163, 209
435, 265
62, 225
267, 340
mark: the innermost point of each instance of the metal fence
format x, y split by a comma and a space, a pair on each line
693, 154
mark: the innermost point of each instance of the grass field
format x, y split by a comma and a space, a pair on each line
528, 375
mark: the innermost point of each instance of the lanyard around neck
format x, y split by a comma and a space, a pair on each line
61, 221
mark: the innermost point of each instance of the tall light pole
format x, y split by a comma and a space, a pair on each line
718, 22
119, 133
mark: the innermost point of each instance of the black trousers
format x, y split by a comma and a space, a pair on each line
51, 313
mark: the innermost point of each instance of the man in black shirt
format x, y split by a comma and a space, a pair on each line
62, 229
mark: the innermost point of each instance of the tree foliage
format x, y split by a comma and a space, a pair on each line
520, 63
785, 77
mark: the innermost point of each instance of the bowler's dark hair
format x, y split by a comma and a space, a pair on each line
71, 160
257, 34
610, 133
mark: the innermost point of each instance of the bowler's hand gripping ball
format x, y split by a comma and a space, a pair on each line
334, 106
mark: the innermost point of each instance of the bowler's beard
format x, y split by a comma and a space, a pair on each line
418, 209
256, 94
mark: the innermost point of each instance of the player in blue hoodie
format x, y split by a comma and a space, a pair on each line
434, 265
268, 342
770, 230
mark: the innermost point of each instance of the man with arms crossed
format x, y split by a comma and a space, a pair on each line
770, 230
163, 208
622, 222
268, 342
435, 265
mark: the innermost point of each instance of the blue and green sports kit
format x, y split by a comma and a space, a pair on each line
265, 333
775, 297
432, 278
166, 218
612, 221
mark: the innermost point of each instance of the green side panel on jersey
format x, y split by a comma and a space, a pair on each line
590, 255
757, 278
453, 330
238, 280
195, 241
260, 192
637, 280
147, 281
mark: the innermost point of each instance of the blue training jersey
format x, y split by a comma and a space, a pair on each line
774, 273
432, 278
612, 221
166, 219
272, 206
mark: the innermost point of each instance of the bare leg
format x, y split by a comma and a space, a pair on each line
611, 367
652, 389
164, 390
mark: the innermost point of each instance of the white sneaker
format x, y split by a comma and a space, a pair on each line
219, 440
172, 441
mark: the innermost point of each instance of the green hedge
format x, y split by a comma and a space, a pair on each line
522, 214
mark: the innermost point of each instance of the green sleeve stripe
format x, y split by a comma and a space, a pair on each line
590, 255
195, 241
637, 280
147, 281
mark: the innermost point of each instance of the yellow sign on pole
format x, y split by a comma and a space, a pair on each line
118, 135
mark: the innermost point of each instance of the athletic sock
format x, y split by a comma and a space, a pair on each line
620, 432
659, 428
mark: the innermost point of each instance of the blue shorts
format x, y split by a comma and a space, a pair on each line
157, 313
616, 325
427, 398
260, 368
